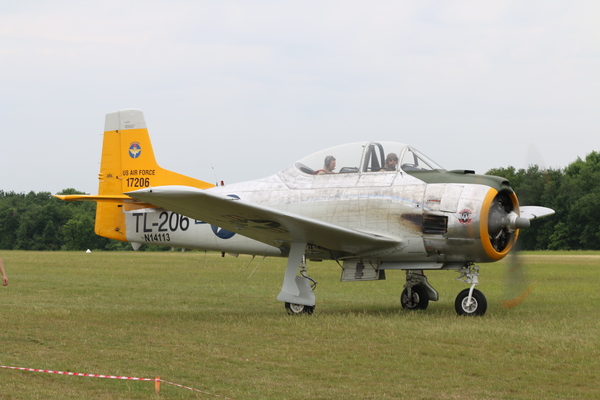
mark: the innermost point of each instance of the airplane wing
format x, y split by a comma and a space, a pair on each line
534, 212
265, 224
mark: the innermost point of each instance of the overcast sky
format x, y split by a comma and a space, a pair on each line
237, 90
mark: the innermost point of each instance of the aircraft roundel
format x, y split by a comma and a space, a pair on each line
224, 233
135, 150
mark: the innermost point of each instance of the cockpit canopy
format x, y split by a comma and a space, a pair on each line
368, 157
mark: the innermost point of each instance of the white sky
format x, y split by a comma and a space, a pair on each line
237, 90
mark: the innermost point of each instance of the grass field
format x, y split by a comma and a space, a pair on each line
197, 320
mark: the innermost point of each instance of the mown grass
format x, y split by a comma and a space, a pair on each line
197, 320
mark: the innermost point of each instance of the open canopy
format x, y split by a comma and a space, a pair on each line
368, 157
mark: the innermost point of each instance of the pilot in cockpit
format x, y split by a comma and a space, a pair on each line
328, 166
391, 161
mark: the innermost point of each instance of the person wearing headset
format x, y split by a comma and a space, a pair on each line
391, 162
328, 166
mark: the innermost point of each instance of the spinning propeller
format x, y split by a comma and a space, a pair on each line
518, 284
503, 222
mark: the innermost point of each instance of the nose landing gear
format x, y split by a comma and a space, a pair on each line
470, 301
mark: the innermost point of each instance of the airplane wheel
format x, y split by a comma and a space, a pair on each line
298, 309
477, 307
419, 300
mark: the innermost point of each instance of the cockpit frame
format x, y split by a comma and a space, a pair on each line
367, 158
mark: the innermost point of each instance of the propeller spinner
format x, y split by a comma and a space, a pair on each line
503, 221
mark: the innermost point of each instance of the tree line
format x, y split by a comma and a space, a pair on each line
39, 221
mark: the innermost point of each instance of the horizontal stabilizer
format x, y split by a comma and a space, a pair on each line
89, 197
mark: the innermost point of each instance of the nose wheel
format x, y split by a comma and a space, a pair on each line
475, 304
470, 301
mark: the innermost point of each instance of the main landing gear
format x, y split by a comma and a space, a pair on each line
297, 291
297, 309
418, 292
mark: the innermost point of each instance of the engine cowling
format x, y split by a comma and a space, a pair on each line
500, 223
482, 225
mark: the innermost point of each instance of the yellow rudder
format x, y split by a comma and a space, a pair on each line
128, 161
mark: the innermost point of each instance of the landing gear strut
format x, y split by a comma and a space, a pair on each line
470, 301
297, 309
297, 291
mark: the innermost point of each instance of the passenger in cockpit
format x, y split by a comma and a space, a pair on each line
391, 161
328, 166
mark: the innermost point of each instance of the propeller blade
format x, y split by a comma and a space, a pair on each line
534, 212
518, 284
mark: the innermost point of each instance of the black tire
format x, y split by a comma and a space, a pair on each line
299, 309
477, 308
419, 300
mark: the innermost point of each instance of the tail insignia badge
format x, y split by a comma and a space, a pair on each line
135, 150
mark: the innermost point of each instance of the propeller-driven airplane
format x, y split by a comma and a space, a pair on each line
372, 207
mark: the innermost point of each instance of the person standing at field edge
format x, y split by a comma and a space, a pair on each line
4, 278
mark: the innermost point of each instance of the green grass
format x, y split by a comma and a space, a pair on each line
197, 320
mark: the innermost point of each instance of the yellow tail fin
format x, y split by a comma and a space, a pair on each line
127, 164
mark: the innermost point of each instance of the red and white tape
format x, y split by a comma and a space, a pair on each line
48, 371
